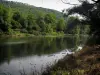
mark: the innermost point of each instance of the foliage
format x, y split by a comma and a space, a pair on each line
61, 25
90, 13
4, 19
15, 16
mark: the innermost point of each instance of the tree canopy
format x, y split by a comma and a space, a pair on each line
90, 12
16, 17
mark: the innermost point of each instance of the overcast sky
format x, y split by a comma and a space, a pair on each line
51, 4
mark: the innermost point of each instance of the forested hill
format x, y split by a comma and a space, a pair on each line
26, 8
19, 18
16, 18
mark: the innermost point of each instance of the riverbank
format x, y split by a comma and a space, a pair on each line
84, 62
18, 34
54, 34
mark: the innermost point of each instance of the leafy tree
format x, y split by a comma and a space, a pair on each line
50, 18
90, 12
16, 16
4, 18
40, 21
76, 30
86, 29
24, 22
15, 24
31, 21
48, 29
72, 22
61, 25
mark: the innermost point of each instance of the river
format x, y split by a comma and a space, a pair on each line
30, 55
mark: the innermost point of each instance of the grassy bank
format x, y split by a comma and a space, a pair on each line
19, 34
84, 62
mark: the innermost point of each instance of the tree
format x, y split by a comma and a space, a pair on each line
50, 18
31, 21
76, 30
5, 18
48, 29
61, 25
85, 29
15, 24
24, 22
40, 21
71, 23
90, 13
16, 16
16, 20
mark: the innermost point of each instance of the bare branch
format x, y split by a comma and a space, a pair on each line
68, 3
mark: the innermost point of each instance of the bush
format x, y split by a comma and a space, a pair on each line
34, 32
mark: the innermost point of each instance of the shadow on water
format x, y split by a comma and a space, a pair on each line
35, 50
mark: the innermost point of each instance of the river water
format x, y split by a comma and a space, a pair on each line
30, 55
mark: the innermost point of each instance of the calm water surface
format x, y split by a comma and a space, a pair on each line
34, 54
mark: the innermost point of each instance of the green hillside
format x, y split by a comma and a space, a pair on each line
26, 8
16, 18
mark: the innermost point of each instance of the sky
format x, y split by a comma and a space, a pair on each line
51, 4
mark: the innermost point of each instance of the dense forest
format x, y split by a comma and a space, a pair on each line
16, 18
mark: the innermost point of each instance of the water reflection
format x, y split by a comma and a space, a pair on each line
34, 53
